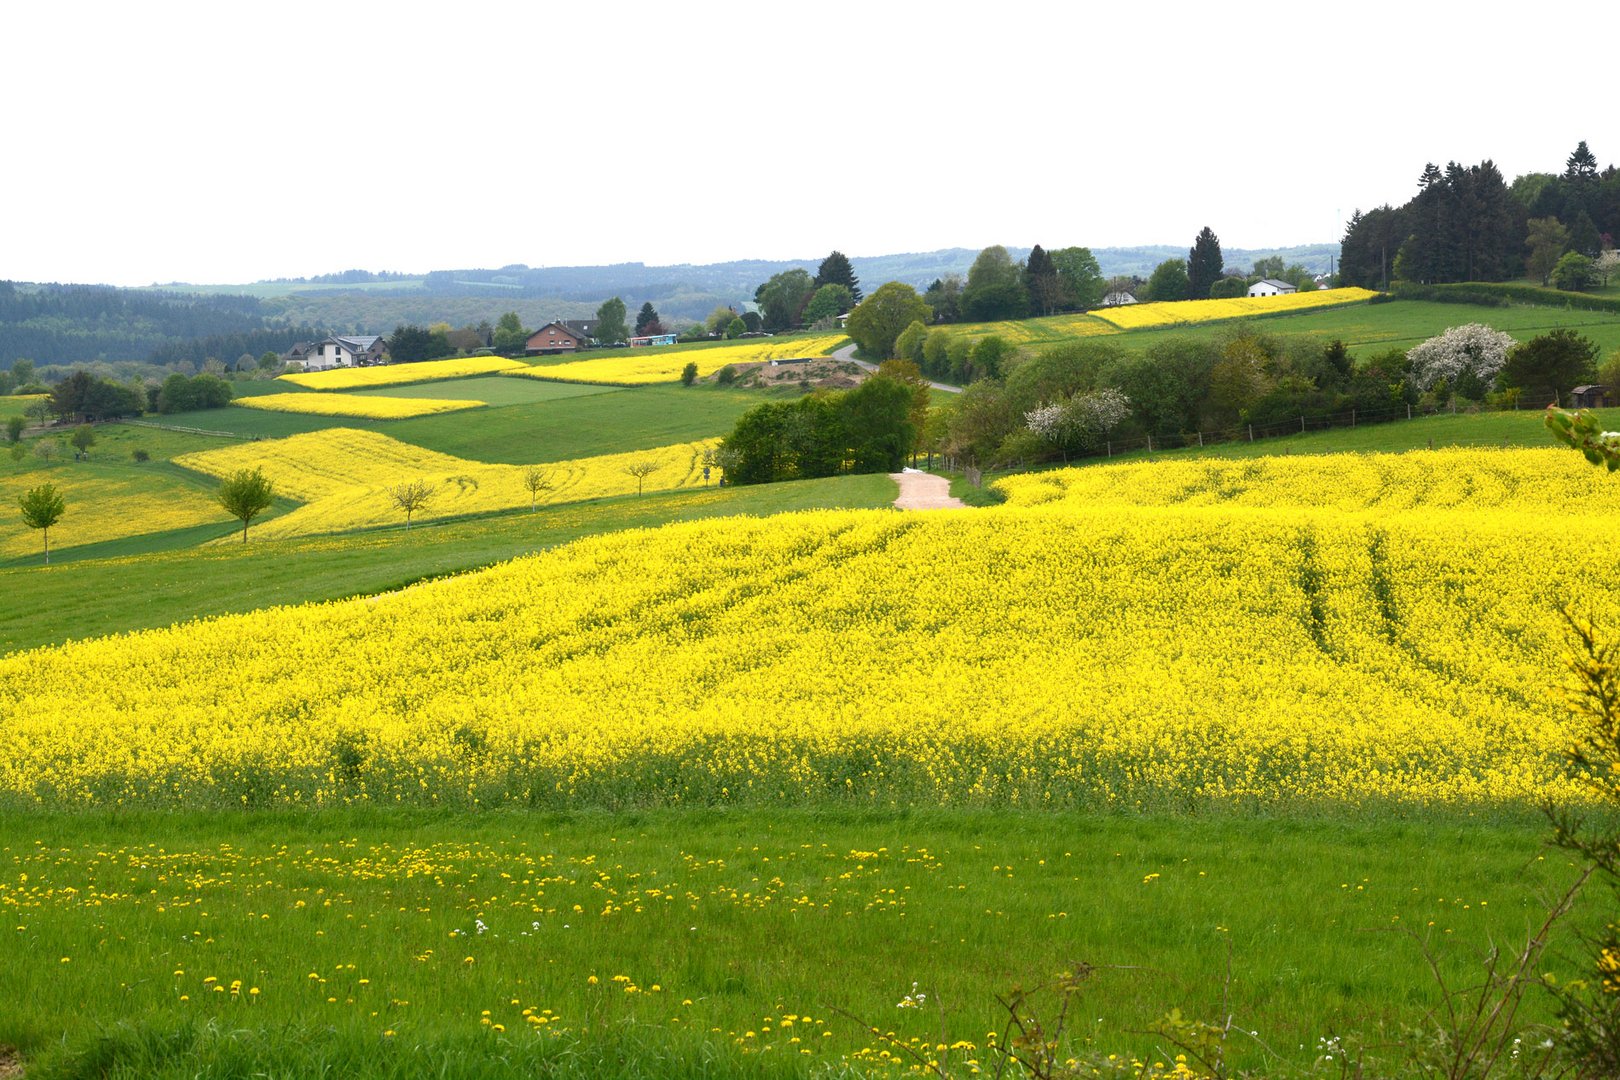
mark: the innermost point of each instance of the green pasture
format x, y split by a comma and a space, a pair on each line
389, 943
494, 390
129, 589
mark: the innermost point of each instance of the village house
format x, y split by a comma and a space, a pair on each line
562, 336
1271, 287
334, 352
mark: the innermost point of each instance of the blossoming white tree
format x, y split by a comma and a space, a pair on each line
1473, 350
1079, 420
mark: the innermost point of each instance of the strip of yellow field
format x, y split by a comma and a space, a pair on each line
356, 405
1191, 653
103, 503
1546, 481
1037, 331
398, 374
1176, 312
637, 367
346, 478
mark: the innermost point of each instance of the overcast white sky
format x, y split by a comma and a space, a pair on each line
221, 142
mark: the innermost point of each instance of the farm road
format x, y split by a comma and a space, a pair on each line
848, 353
924, 491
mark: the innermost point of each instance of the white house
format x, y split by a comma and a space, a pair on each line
335, 352
1115, 299
1270, 287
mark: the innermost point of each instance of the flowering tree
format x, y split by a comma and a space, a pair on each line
1078, 421
1474, 350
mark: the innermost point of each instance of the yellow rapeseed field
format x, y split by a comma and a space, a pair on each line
1257, 639
1031, 331
1141, 316
635, 367
103, 503
357, 405
399, 374
345, 476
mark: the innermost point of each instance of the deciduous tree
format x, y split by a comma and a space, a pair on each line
244, 495
878, 321
828, 302
641, 469
42, 507
510, 337
1547, 241
536, 480
1081, 277
1558, 360
610, 324
995, 288
783, 298
411, 496
1168, 281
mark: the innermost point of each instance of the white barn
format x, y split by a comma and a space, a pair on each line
1270, 287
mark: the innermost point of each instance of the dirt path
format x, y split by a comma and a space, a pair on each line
924, 491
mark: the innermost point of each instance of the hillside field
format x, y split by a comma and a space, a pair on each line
779, 781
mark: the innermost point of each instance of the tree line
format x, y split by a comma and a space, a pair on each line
1466, 223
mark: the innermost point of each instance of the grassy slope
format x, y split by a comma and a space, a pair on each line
738, 919
48, 605
1366, 328
1374, 328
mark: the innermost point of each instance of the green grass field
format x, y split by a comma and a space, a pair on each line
725, 943
494, 390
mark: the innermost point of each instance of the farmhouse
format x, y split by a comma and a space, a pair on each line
558, 337
333, 352
1270, 287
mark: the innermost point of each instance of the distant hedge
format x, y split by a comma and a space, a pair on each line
1501, 295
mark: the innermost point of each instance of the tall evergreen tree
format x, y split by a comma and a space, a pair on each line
835, 270
647, 318
1204, 264
1041, 282
1581, 166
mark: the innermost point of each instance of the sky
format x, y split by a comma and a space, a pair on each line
228, 143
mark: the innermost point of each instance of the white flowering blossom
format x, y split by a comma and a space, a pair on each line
1474, 348
1082, 416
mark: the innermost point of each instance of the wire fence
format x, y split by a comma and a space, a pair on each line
191, 430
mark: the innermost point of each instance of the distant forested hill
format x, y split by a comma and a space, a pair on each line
70, 323
59, 324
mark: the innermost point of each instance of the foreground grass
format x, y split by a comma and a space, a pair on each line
49, 605
723, 943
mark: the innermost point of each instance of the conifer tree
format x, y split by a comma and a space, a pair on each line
1204, 264
835, 270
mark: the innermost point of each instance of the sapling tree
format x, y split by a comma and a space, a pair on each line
244, 495
642, 469
411, 497
42, 507
536, 480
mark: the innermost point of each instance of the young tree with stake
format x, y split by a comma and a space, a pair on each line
42, 507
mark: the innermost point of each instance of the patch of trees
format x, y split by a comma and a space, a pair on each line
793, 298
1467, 224
199, 351
410, 344
185, 393
84, 397
1071, 397
870, 428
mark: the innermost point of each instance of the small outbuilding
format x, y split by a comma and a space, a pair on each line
1271, 287
1595, 396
